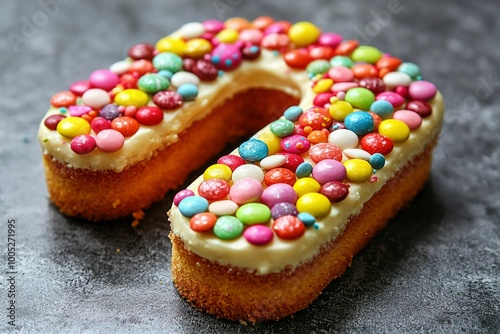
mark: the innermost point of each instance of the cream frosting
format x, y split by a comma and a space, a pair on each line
279, 253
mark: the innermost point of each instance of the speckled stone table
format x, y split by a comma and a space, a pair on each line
435, 268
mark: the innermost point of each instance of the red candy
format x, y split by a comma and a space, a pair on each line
321, 52
99, 123
345, 48
83, 144
149, 115
205, 70
213, 189
52, 121
141, 67
63, 99
324, 151
127, 126
322, 98
316, 117
141, 51
299, 58
376, 85
202, 222
279, 175
292, 161
167, 99
289, 227
377, 143
80, 87
421, 107
391, 63
362, 71
335, 191
232, 161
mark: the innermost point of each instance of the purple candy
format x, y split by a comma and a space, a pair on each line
110, 111
278, 193
328, 170
283, 209
258, 234
181, 195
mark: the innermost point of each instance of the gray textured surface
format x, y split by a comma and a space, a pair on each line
434, 269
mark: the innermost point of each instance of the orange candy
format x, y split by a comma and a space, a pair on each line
317, 136
141, 66
279, 175
392, 63
63, 99
364, 71
383, 71
127, 126
262, 22
346, 48
237, 23
376, 120
202, 222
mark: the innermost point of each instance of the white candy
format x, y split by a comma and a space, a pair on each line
192, 30
183, 77
356, 153
248, 171
120, 67
222, 208
343, 138
96, 98
393, 79
273, 161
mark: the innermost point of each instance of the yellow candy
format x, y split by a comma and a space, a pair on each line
273, 142
339, 110
303, 33
171, 44
73, 126
316, 204
323, 85
197, 48
132, 97
218, 171
358, 170
306, 185
395, 130
227, 35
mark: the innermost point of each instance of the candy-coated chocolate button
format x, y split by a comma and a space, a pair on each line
316, 117
306, 185
258, 235
366, 54
191, 205
410, 118
304, 170
51, 122
306, 218
223, 208
73, 126
63, 99
132, 97
278, 193
233, 162
303, 33
96, 98
253, 213
343, 138
127, 126
382, 108
141, 51
202, 222
167, 61
188, 91
282, 127
245, 190
272, 161
422, 90
395, 130
218, 171
227, 36
213, 189
279, 175
253, 150
167, 99
153, 83
289, 227
272, 141
358, 170
295, 144
394, 98
360, 97
324, 151
356, 153
328, 170
293, 113
170, 44
377, 143
109, 140
318, 66
83, 144
181, 195
191, 30
228, 227
149, 115
359, 122
248, 171
393, 79
377, 161
335, 191
283, 209
99, 123
316, 204
104, 79
339, 110
182, 77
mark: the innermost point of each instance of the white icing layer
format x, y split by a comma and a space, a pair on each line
281, 254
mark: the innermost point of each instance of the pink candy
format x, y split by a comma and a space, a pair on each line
79, 110
245, 191
109, 140
258, 234
343, 86
410, 118
104, 79
422, 90
251, 35
393, 98
329, 39
79, 87
341, 74
278, 193
181, 195
213, 26
329, 170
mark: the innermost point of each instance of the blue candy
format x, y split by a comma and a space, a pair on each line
411, 69
304, 170
359, 122
192, 205
293, 113
188, 91
253, 150
377, 161
382, 108
306, 218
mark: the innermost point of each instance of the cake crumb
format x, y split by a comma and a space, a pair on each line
118, 250
116, 203
138, 215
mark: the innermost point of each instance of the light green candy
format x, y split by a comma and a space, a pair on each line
359, 97
282, 128
411, 69
228, 227
254, 213
153, 83
318, 66
341, 61
366, 54
167, 61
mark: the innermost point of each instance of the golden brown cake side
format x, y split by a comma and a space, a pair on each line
107, 195
237, 294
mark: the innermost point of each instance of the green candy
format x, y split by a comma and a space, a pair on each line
341, 61
254, 213
318, 66
167, 61
153, 83
411, 69
282, 128
366, 54
228, 227
359, 97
